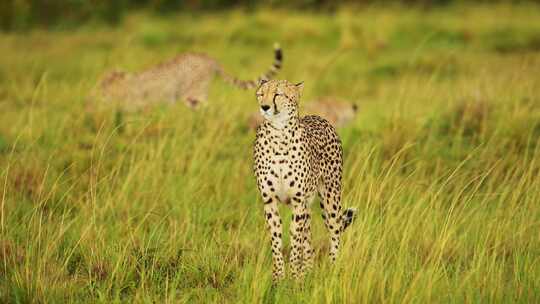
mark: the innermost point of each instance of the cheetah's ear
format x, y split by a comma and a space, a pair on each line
262, 81
300, 88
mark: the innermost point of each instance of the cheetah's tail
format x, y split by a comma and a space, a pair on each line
348, 216
250, 84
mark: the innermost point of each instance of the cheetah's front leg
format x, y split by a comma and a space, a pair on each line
308, 250
298, 223
274, 223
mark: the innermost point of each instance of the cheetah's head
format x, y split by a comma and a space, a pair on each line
278, 101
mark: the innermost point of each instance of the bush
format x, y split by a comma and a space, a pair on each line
22, 14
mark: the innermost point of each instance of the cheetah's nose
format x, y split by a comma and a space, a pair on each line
265, 107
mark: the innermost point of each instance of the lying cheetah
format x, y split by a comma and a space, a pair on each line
187, 77
295, 158
336, 111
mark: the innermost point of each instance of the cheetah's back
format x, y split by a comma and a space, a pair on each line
321, 133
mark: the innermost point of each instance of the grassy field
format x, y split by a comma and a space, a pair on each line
442, 161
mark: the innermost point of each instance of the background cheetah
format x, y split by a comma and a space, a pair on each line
295, 158
187, 77
336, 111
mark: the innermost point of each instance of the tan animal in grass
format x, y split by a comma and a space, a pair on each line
297, 158
337, 111
186, 77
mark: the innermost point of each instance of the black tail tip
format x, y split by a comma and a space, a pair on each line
278, 52
349, 215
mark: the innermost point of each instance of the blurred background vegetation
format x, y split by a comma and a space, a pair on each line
25, 14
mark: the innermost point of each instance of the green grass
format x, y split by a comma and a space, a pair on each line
442, 162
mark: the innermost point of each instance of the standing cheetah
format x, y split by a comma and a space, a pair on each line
295, 158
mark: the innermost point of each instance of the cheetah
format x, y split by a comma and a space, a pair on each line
186, 77
338, 112
296, 158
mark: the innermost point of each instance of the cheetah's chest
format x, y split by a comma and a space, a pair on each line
280, 167
285, 167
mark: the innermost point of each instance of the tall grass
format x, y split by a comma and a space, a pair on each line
442, 162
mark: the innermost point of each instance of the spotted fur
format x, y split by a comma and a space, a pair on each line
187, 77
296, 158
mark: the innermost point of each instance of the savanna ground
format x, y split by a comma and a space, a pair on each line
442, 161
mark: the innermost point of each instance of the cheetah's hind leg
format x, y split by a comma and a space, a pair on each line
335, 220
331, 214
